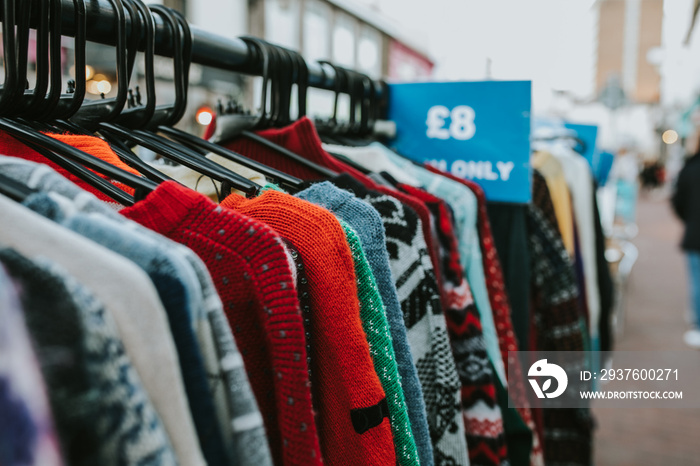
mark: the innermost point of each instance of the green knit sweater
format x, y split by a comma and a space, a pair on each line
376, 328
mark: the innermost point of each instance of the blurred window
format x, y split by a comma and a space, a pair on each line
316, 30
344, 40
369, 52
282, 18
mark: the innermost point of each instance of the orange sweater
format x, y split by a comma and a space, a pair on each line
90, 144
352, 425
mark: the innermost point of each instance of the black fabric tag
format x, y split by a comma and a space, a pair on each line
365, 418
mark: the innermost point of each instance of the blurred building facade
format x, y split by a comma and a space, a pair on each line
630, 66
629, 37
627, 100
342, 31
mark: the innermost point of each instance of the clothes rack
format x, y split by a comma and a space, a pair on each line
230, 54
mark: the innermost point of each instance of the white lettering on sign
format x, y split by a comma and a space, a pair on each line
505, 168
436, 122
461, 127
476, 169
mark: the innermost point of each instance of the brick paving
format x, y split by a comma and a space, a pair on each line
656, 320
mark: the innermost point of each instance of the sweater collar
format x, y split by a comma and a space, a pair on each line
166, 207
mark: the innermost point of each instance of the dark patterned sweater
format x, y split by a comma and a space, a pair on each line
558, 324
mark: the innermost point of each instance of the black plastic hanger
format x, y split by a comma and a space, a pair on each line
84, 174
123, 152
261, 47
365, 86
327, 127
334, 130
102, 110
34, 99
302, 82
381, 103
16, 48
117, 134
60, 152
198, 154
22, 40
257, 48
360, 88
353, 83
139, 19
177, 154
282, 68
297, 74
359, 91
169, 115
204, 147
55, 73
346, 128
135, 27
69, 103
232, 125
15, 51
14, 189
367, 103
195, 157
277, 73
138, 116
37, 104
321, 170
372, 111
134, 161
357, 86
352, 80
12, 89
288, 182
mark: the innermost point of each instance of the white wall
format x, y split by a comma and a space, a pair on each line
228, 18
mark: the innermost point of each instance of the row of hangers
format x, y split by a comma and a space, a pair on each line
126, 121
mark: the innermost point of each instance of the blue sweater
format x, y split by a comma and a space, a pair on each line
168, 274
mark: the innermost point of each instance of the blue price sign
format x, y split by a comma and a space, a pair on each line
474, 130
588, 134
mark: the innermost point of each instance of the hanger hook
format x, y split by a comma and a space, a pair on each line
76, 97
139, 116
11, 85
257, 48
337, 89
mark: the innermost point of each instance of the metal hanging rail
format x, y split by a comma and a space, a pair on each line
207, 49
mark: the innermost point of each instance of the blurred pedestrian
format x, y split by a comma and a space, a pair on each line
653, 175
686, 203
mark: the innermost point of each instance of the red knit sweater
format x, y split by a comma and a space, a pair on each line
251, 272
342, 369
301, 138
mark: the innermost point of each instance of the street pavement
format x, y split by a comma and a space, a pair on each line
656, 313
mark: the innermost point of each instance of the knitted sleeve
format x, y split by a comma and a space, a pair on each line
380, 347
